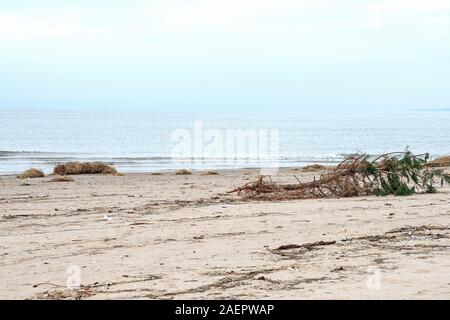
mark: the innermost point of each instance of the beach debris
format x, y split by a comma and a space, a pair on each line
69, 294
106, 217
31, 173
62, 179
440, 162
307, 246
337, 269
183, 172
84, 168
210, 173
394, 239
313, 167
397, 173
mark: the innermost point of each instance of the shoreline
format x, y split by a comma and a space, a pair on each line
194, 165
173, 171
145, 236
49, 169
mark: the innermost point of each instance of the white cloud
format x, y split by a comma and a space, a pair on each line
41, 24
273, 23
146, 17
223, 14
421, 15
393, 6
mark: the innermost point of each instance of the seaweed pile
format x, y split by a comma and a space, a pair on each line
31, 173
84, 168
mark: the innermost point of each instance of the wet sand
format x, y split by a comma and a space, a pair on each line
144, 236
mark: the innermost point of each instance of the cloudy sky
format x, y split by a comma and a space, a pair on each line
225, 54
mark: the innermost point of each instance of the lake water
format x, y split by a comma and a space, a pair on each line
141, 141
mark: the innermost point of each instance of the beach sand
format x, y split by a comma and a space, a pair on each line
144, 236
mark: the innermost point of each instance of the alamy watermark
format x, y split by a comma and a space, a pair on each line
228, 147
73, 280
373, 281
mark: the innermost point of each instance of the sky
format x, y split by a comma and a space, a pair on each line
225, 55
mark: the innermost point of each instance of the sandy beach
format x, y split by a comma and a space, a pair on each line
145, 236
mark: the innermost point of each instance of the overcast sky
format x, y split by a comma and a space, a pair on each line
293, 55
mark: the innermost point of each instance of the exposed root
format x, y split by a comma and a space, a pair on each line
386, 240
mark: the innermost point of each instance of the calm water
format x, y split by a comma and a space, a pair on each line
142, 141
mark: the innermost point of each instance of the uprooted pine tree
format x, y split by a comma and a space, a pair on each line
397, 173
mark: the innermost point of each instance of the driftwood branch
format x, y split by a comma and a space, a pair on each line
399, 173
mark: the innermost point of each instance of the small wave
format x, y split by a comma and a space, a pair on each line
33, 153
71, 156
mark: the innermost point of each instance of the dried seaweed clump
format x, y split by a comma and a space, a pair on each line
440, 162
62, 179
31, 173
183, 172
84, 168
400, 173
313, 167
210, 173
